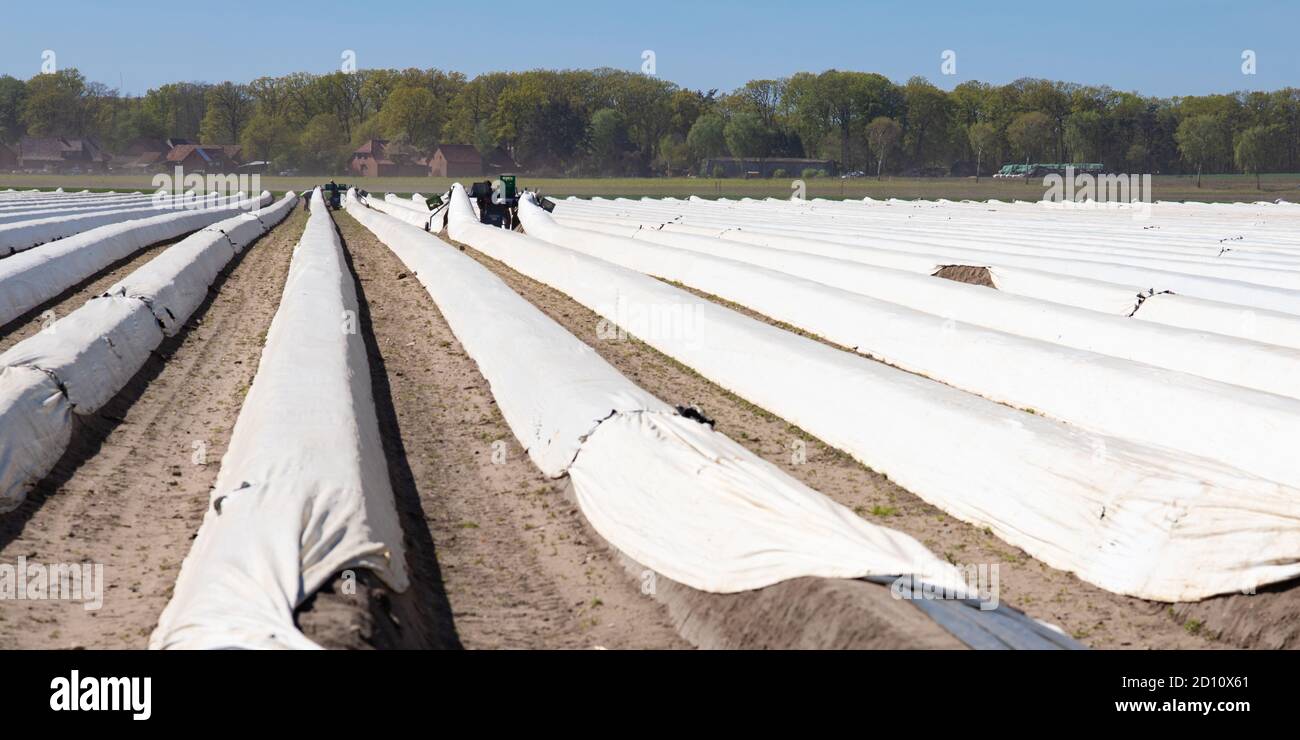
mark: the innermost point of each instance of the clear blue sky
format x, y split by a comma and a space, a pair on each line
1158, 47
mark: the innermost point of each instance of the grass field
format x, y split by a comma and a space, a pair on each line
1215, 188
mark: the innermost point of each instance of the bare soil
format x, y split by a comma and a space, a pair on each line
966, 274
1268, 619
131, 491
513, 560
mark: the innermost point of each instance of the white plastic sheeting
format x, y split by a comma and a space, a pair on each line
14, 215
1130, 518
35, 276
1227, 235
910, 229
90, 354
418, 206
11, 206
1273, 327
175, 283
35, 429
1102, 394
931, 257
1231, 360
666, 490
423, 219
17, 237
303, 491
1152, 304
93, 351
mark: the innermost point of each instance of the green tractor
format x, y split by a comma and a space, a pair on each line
498, 202
333, 194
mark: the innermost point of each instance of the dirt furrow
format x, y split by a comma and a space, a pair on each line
131, 491
518, 568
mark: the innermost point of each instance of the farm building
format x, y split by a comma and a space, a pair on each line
142, 161
60, 154
373, 159
464, 160
202, 157
792, 166
150, 154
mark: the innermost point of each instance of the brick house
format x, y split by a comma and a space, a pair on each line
200, 158
463, 160
157, 155
60, 154
372, 159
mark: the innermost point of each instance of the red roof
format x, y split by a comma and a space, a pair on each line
209, 152
460, 153
374, 147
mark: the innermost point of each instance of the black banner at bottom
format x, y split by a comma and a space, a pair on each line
232, 689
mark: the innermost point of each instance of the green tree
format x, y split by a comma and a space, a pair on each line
541, 119
1256, 149
53, 104
267, 138
1201, 141
687, 106
323, 145
1030, 134
928, 117
13, 92
646, 105
847, 101
610, 144
883, 134
177, 109
484, 142
747, 137
229, 107
1084, 136
707, 138
1053, 101
983, 138
1137, 157
674, 155
413, 114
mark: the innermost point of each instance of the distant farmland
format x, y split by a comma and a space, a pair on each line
1215, 188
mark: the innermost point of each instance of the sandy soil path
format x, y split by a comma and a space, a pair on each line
512, 556
132, 490
1093, 616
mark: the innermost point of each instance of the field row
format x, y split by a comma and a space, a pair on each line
702, 395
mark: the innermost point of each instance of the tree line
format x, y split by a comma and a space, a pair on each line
614, 122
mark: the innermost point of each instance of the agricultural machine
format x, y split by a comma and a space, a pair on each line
333, 193
498, 201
